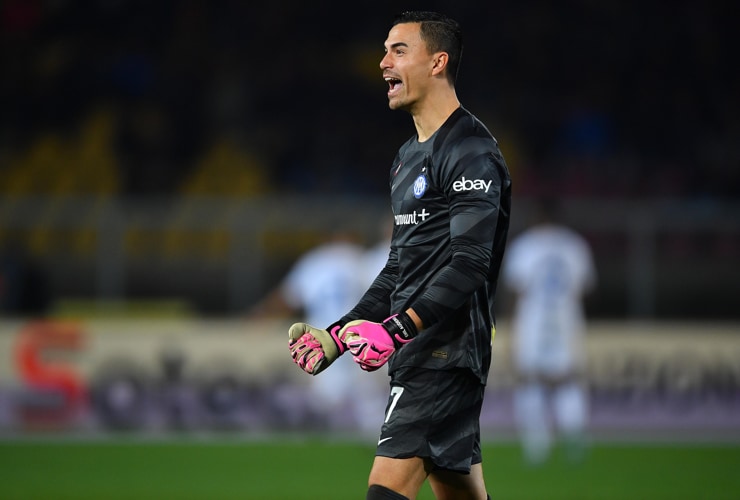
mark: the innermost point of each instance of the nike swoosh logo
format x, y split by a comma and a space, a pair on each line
383, 440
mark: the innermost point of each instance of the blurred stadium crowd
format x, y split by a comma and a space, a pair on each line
133, 131
228, 98
167, 149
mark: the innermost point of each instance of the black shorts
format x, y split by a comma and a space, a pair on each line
434, 414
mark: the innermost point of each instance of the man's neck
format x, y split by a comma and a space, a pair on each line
433, 113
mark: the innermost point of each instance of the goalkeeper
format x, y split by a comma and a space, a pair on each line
429, 313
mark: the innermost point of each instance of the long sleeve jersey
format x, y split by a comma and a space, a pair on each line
451, 201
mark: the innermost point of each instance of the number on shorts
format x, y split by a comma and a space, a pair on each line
396, 393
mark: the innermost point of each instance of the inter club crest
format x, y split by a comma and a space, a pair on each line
420, 186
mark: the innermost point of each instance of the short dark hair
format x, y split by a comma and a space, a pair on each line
440, 33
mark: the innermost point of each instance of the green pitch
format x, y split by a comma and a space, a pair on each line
315, 469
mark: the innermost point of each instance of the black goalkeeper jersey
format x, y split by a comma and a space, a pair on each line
451, 200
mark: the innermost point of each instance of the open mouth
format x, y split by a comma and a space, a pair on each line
394, 84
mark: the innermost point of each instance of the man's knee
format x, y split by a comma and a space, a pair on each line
377, 492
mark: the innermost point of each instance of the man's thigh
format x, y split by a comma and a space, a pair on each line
450, 485
402, 475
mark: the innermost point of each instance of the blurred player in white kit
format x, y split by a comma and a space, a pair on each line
550, 268
324, 283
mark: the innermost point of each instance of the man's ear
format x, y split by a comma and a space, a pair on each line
439, 62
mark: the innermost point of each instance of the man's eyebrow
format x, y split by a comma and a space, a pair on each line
398, 44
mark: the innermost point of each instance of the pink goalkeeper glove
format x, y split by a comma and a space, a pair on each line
314, 349
372, 344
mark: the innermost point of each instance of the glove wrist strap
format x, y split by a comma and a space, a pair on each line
333, 330
401, 328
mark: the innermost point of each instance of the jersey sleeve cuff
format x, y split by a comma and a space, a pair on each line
425, 315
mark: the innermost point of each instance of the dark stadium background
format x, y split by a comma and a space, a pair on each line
137, 110
169, 160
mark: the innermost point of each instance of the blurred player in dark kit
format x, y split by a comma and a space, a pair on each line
429, 313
